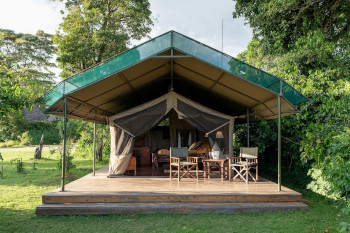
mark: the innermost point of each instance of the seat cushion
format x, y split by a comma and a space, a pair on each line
187, 163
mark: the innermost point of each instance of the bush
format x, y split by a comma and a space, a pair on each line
51, 136
25, 139
9, 143
69, 163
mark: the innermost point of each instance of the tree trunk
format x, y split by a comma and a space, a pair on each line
99, 152
37, 154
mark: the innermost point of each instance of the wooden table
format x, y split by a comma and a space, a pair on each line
206, 167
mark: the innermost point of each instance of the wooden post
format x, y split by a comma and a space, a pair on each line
64, 144
230, 138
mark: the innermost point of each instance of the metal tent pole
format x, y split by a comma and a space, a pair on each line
94, 155
64, 144
248, 139
279, 139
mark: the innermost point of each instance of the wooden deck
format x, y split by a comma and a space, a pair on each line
129, 195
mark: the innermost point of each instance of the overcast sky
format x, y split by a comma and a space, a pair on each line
198, 19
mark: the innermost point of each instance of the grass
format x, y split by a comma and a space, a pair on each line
20, 193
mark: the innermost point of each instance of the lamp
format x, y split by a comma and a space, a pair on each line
219, 134
206, 135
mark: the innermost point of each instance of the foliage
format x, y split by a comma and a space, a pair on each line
331, 171
13, 124
29, 133
25, 139
24, 68
93, 31
68, 161
315, 61
69, 164
9, 143
85, 142
344, 227
2, 166
19, 164
74, 129
281, 23
12, 96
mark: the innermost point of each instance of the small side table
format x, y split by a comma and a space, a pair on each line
206, 167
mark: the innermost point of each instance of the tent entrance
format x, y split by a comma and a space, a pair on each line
172, 130
183, 113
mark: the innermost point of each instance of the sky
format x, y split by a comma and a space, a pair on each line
198, 19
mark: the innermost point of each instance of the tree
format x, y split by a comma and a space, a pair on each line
281, 23
93, 31
24, 68
314, 56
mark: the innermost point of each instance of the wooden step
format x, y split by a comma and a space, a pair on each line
168, 208
57, 198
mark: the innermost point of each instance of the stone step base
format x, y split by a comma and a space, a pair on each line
166, 207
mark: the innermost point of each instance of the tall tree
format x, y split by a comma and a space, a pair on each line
281, 23
308, 44
93, 31
24, 68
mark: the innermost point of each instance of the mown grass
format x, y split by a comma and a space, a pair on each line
20, 193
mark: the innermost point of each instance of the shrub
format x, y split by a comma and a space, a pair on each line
51, 136
25, 139
9, 143
19, 164
69, 163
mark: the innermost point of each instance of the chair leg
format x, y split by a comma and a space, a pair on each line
229, 175
197, 171
256, 173
170, 172
246, 175
178, 173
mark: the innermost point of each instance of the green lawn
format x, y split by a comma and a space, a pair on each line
21, 193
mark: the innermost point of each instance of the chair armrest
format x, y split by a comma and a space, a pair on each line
192, 159
232, 160
174, 160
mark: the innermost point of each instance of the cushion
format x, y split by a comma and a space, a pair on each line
164, 152
195, 145
204, 148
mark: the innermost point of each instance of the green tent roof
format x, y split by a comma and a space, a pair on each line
195, 64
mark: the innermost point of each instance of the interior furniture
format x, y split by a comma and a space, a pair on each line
132, 165
136, 152
207, 163
242, 165
163, 155
184, 164
144, 154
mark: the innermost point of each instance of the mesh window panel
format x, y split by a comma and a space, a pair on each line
199, 119
139, 122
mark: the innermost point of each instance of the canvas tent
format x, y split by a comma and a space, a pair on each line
172, 61
127, 125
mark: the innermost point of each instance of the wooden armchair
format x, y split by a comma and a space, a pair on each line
243, 164
184, 164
